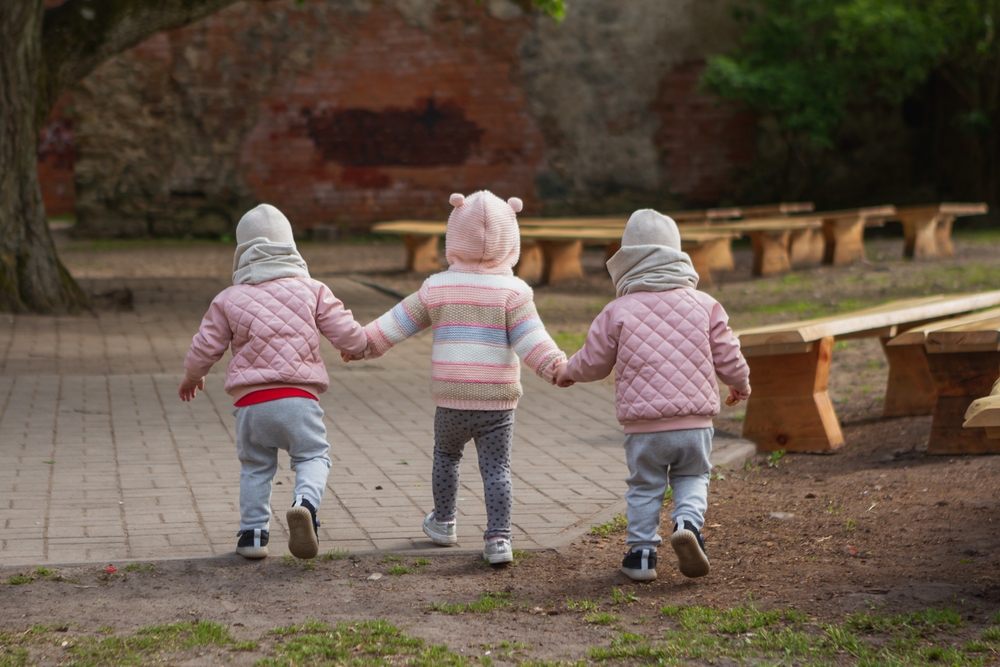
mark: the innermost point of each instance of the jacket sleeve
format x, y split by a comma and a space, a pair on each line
596, 359
338, 324
408, 317
730, 365
211, 342
527, 335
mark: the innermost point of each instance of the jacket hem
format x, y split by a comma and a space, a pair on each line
466, 404
667, 424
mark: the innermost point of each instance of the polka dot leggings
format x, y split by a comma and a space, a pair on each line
493, 431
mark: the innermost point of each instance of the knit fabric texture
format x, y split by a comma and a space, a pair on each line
482, 324
482, 235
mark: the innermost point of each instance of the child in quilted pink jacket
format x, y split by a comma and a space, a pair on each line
667, 343
272, 317
483, 318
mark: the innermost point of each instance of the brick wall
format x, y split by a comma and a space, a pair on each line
702, 142
344, 113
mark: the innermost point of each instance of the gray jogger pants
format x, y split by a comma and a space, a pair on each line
294, 425
649, 456
493, 432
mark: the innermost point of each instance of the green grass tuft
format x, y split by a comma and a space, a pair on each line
487, 602
617, 525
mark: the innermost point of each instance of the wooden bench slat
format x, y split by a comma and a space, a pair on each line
918, 335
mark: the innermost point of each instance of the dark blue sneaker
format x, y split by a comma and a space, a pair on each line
252, 544
690, 550
303, 529
640, 564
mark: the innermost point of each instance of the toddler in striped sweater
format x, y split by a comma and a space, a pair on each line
483, 318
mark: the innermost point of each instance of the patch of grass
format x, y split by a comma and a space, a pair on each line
841, 345
602, 618
581, 605
851, 524
139, 567
618, 596
334, 554
774, 457
487, 602
19, 579
520, 555
748, 635
398, 570
389, 558
356, 644
569, 342
152, 644
668, 495
617, 525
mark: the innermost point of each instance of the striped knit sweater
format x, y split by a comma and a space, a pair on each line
482, 324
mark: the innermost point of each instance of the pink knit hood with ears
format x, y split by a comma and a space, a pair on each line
482, 234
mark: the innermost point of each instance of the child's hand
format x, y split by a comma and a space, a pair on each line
189, 388
561, 377
365, 354
736, 395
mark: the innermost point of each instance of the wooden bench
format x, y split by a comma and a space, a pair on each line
548, 254
842, 240
790, 408
927, 229
771, 240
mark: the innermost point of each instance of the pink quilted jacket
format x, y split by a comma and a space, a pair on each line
274, 329
667, 347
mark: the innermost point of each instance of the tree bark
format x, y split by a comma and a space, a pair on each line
31, 276
42, 53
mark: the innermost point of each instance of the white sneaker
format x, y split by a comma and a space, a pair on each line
498, 551
441, 532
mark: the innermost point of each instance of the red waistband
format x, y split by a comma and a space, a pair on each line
265, 395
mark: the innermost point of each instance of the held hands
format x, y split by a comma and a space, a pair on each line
561, 379
189, 388
736, 395
368, 353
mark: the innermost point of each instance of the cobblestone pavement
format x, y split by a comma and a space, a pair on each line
102, 462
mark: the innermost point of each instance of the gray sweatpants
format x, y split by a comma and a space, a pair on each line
294, 425
493, 432
654, 459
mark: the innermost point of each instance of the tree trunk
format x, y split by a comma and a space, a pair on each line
31, 275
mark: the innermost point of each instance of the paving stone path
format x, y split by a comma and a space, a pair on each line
102, 462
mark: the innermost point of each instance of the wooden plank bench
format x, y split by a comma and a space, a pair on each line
911, 390
842, 239
771, 239
927, 229
548, 254
965, 363
790, 408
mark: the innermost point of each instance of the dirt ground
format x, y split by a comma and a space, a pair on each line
878, 525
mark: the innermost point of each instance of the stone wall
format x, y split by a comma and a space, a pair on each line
351, 111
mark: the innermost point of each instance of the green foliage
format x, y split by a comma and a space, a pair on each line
807, 62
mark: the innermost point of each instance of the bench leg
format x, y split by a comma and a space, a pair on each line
720, 255
845, 241
920, 238
561, 260
960, 378
700, 254
789, 408
611, 249
421, 253
943, 236
910, 390
805, 247
530, 265
770, 252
